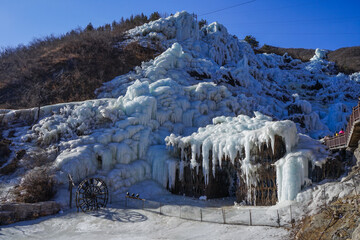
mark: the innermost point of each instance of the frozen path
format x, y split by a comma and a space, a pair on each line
119, 223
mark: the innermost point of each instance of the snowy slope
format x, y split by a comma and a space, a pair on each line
202, 74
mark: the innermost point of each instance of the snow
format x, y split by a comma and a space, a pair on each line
119, 223
319, 54
355, 77
205, 79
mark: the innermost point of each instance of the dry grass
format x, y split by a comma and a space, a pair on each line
37, 185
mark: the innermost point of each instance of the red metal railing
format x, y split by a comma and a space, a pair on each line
342, 139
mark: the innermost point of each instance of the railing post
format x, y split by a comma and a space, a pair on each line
70, 189
71, 185
250, 220
223, 213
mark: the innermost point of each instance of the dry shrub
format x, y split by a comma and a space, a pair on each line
38, 185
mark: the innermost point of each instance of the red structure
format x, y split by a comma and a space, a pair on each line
352, 133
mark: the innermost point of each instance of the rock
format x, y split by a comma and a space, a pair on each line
6, 217
357, 156
20, 154
356, 234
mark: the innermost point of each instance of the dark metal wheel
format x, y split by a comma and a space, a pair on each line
91, 194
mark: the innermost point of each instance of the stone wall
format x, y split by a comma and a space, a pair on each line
15, 212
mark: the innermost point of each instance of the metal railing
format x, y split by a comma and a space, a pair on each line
341, 141
281, 217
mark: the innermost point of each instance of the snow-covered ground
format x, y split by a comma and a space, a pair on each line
119, 223
205, 76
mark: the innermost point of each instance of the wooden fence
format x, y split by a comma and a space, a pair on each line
342, 140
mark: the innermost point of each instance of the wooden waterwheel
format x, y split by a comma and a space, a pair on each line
91, 194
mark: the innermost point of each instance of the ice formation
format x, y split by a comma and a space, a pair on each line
229, 135
203, 74
292, 170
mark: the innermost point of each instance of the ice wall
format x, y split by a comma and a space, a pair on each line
261, 82
227, 136
292, 170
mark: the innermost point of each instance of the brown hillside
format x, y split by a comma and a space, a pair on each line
346, 59
299, 53
70, 67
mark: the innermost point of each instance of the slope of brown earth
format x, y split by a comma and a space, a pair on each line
70, 67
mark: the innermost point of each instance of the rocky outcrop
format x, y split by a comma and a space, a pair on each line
15, 212
357, 155
338, 221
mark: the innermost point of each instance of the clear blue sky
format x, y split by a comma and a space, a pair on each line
328, 24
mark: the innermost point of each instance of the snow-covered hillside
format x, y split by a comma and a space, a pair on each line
203, 74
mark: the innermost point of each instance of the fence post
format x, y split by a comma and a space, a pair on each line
250, 221
223, 213
278, 218
160, 209
71, 185
201, 215
292, 220
70, 189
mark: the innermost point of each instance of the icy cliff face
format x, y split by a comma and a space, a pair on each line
262, 82
204, 76
227, 137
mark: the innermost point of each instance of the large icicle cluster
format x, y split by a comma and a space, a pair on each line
227, 136
293, 169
